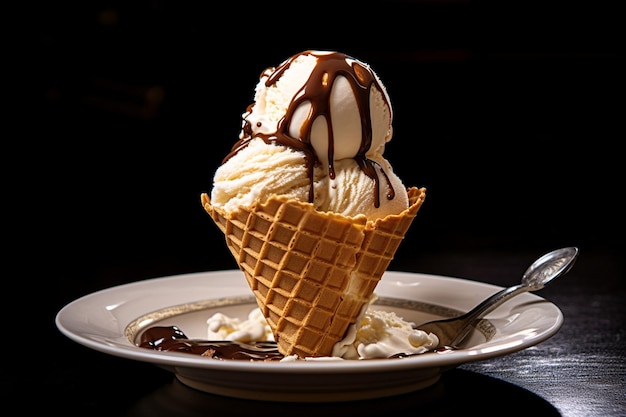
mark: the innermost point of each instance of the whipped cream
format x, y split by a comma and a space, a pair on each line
377, 334
254, 329
381, 334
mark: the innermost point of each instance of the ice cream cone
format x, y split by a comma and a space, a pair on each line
311, 272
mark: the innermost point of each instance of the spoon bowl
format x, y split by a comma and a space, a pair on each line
452, 331
548, 267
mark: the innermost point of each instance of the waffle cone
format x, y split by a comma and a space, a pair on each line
311, 272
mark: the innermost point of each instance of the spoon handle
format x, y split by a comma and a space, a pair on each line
452, 331
485, 307
494, 301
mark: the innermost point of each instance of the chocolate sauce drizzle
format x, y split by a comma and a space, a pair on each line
172, 339
317, 91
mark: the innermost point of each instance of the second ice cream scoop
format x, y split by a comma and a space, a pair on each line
333, 102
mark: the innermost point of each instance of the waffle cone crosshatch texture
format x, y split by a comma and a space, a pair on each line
311, 272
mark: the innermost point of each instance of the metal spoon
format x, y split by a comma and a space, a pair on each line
451, 332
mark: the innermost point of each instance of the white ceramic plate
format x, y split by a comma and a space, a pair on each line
111, 320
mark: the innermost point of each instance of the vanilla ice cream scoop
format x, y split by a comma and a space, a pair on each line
327, 99
316, 132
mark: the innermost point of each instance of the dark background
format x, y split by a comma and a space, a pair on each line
510, 114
